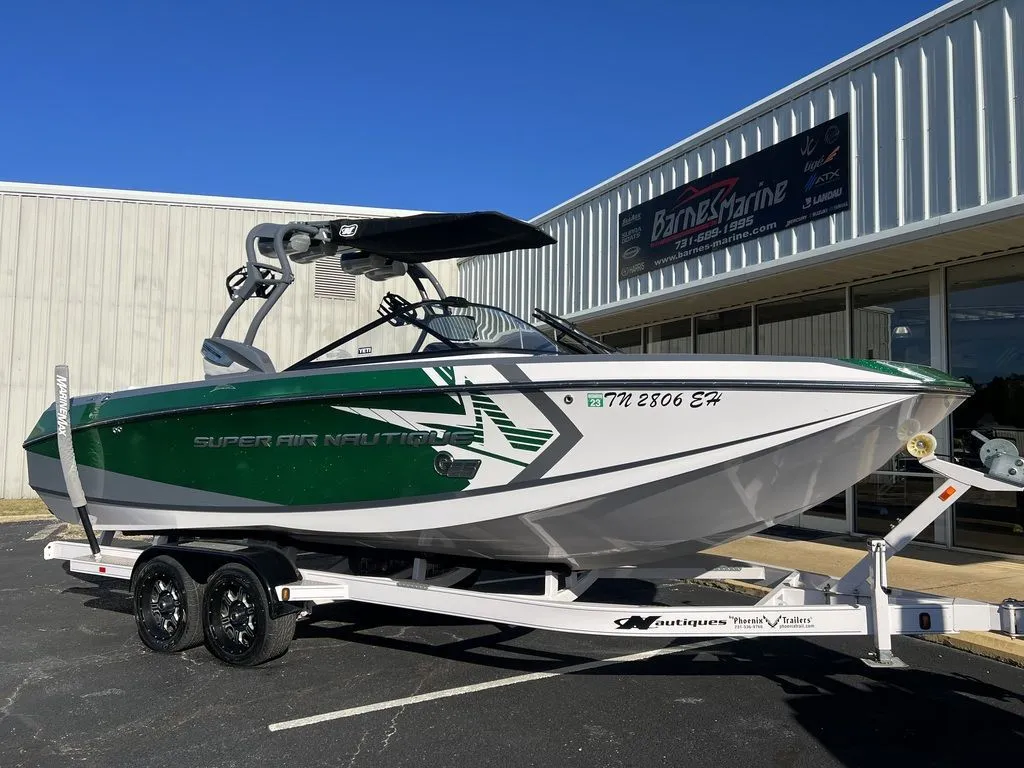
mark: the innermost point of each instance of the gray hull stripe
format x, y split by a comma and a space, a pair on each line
46, 477
568, 434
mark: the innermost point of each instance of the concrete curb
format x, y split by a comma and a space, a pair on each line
24, 517
987, 644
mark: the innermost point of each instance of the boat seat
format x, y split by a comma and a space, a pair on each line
224, 356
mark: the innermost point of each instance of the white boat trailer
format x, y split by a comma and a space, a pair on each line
801, 604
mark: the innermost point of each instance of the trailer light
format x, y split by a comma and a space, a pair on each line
948, 491
924, 620
103, 569
285, 593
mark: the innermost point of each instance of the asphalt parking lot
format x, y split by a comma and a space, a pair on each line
78, 687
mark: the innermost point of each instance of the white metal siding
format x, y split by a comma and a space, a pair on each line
124, 288
937, 125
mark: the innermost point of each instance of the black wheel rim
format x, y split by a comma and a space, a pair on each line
232, 616
162, 606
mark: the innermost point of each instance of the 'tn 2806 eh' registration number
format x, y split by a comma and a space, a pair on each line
696, 399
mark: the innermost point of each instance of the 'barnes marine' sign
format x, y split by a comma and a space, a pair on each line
795, 181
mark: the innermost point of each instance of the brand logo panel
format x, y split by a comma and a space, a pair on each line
800, 179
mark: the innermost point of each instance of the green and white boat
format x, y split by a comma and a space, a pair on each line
488, 439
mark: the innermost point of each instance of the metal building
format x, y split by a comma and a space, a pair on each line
905, 241
124, 286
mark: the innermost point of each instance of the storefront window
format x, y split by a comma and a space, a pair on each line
808, 326
629, 342
832, 509
724, 333
885, 498
891, 320
986, 347
670, 338
813, 326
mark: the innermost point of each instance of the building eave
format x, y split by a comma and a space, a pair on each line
173, 198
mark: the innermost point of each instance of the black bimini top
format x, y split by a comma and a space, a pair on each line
432, 236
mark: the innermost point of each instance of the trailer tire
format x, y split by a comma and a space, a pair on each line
167, 603
237, 620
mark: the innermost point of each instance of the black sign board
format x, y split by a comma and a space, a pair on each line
795, 181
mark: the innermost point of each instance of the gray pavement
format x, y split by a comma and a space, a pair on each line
78, 688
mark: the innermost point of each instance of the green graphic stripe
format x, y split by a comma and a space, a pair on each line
486, 403
525, 441
911, 371
525, 447
537, 433
530, 448
506, 459
447, 373
519, 438
163, 450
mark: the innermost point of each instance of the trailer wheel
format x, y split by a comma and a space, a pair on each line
237, 623
167, 604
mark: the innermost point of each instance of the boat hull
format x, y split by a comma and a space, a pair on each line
619, 472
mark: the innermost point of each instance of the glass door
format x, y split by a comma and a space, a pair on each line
985, 313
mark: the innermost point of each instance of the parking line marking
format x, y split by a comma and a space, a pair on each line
504, 682
45, 533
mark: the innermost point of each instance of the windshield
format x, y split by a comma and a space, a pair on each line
442, 325
568, 334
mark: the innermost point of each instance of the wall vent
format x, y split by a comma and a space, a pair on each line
330, 282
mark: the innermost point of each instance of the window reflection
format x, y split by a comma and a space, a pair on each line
891, 320
629, 342
670, 338
809, 326
883, 499
986, 347
812, 326
724, 333
833, 509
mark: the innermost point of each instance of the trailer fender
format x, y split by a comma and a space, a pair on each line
271, 566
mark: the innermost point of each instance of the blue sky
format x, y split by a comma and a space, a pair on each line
514, 106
